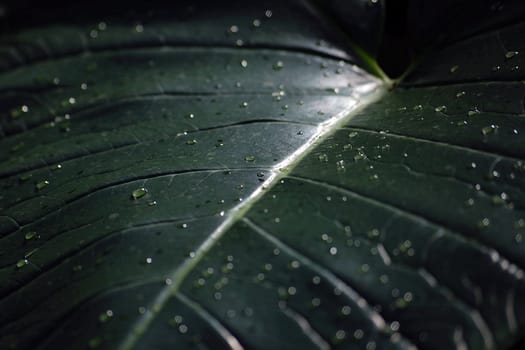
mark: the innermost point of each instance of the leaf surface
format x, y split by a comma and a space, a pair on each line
209, 183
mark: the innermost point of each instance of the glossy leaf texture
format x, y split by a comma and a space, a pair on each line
207, 184
127, 144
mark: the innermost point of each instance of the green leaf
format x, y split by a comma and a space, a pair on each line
177, 180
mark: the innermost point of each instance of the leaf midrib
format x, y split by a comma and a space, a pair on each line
376, 91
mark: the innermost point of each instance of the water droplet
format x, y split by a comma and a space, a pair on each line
500, 199
191, 142
233, 29
294, 264
21, 263
249, 159
268, 13
323, 158
138, 193
278, 65
244, 104
244, 63
358, 334
105, 316
256, 23
460, 94
454, 68
473, 112
41, 185
149, 260
352, 134
30, 235
484, 223
340, 165
441, 109
488, 129
139, 28
511, 54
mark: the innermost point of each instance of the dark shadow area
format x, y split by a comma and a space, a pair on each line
395, 54
520, 345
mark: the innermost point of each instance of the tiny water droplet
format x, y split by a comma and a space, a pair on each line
249, 159
484, 223
191, 142
473, 112
278, 65
41, 185
138, 193
454, 68
21, 263
30, 235
244, 104
441, 109
105, 316
244, 63
511, 54
323, 158
488, 129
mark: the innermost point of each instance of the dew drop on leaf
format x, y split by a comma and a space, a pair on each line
21, 263
486, 130
138, 193
30, 235
278, 65
41, 185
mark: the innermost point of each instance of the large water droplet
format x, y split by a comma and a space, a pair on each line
138, 193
